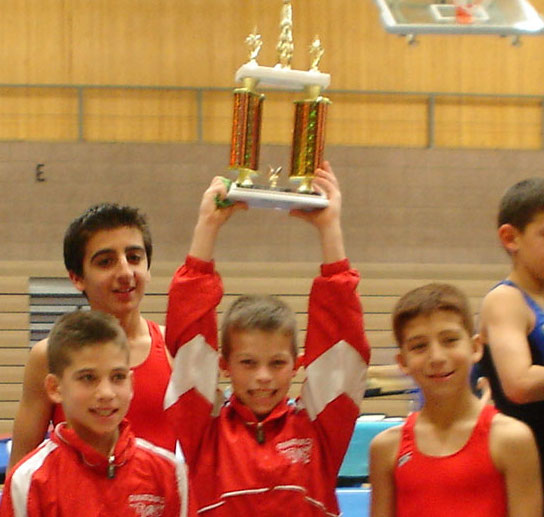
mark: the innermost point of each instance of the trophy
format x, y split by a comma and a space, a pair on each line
308, 131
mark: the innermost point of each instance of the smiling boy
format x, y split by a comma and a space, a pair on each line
107, 253
93, 465
457, 456
259, 454
259, 351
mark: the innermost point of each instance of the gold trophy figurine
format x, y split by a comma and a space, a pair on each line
309, 127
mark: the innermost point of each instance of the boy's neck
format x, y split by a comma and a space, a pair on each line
523, 279
445, 412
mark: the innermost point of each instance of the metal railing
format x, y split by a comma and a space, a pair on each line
429, 98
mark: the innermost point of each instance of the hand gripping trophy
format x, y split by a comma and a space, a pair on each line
308, 132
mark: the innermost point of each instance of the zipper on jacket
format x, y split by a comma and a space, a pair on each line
111, 467
259, 431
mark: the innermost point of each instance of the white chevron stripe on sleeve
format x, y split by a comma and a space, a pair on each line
195, 366
341, 369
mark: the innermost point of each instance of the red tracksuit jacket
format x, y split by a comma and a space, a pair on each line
65, 477
294, 470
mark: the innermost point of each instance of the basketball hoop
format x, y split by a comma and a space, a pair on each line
469, 11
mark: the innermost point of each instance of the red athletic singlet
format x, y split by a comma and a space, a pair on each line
465, 483
146, 416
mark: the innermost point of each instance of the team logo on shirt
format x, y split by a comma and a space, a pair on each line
405, 458
147, 505
296, 450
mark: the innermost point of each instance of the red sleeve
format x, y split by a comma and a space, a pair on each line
6, 504
195, 291
191, 337
336, 357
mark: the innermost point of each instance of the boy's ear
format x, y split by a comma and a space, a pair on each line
52, 388
77, 281
478, 348
508, 235
401, 361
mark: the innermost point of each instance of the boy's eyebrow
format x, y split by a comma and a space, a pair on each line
105, 251
92, 370
84, 370
415, 338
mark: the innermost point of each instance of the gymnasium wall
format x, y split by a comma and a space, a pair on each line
200, 43
400, 205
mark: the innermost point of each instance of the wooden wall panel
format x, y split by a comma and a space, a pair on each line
378, 121
38, 114
140, 115
201, 42
486, 123
217, 117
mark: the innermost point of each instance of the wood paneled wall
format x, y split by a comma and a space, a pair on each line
201, 43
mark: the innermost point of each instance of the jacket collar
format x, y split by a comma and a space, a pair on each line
250, 418
123, 451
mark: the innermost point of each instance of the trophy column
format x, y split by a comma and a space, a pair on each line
308, 137
246, 132
309, 130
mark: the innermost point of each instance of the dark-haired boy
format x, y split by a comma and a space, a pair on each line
512, 314
93, 465
107, 253
258, 454
458, 456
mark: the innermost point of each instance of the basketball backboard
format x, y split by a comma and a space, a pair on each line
502, 17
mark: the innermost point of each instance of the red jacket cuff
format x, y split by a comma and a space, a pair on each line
335, 267
202, 266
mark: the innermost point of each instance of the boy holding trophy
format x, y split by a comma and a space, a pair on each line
259, 453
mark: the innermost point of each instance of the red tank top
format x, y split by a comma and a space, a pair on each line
146, 415
465, 483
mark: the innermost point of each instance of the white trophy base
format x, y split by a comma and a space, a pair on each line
265, 198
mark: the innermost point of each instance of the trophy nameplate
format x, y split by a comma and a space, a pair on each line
308, 131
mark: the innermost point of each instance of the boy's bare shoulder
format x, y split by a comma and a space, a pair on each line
387, 440
504, 305
502, 293
38, 355
511, 442
509, 430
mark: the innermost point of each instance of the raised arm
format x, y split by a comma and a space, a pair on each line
196, 288
327, 220
514, 452
211, 218
191, 327
337, 353
34, 411
506, 320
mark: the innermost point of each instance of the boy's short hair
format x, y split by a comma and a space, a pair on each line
521, 203
427, 299
105, 216
76, 330
258, 312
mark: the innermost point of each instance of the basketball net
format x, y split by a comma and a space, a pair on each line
465, 10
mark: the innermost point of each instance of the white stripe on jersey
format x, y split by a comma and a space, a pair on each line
22, 477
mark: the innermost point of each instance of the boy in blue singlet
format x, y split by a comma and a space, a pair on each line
512, 314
